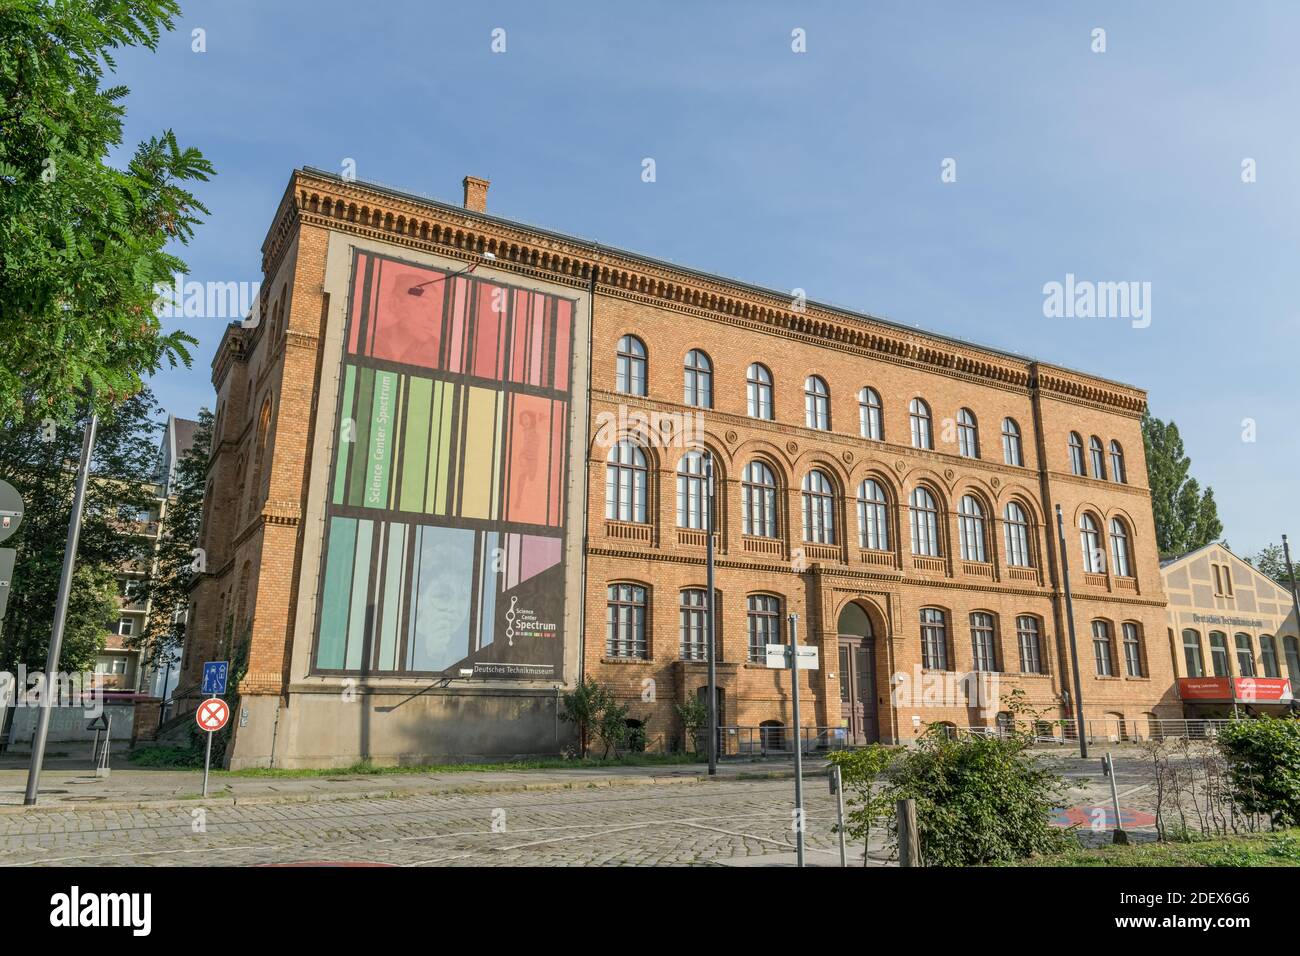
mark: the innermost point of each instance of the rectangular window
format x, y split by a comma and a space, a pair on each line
125, 626
1027, 636
1101, 648
764, 625
1132, 651
983, 648
934, 640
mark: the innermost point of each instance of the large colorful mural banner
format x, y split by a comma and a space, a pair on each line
446, 516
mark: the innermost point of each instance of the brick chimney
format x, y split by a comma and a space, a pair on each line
476, 193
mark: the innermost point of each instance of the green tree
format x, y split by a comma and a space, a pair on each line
694, 715
40, 461
1271, 560
1186, 516
83, 243
168, 588
586, 707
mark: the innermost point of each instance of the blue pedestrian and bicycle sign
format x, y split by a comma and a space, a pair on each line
214, 677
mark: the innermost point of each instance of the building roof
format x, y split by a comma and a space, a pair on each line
1169, 563
839, 311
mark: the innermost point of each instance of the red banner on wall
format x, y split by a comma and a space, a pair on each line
1243, 689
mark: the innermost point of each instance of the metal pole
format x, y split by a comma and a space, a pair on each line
207, 763
798, 738
837, 782
1295, 593
1074, 647
1119, 836
708, 598
61, 609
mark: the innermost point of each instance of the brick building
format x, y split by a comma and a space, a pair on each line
432, 409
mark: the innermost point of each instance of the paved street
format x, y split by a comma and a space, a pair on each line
734, 822
666, 815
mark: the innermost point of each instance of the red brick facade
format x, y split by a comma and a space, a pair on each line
268, 380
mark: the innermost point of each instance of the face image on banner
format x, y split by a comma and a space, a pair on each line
445, 525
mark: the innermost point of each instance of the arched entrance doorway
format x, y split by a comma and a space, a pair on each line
858, 710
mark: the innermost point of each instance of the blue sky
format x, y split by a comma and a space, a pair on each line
818, 170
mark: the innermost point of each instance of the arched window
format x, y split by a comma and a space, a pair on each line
1015, 524
1192, 656
1101, 649
1132, 650
934, 639
919, 413
925, 524
1094, 558
1291, 647
697, 385
970, 521
1119, 548
1268, 656
693, 628
983, 644
1219, 653
1117, 472
968, 435
871, 414
1245, 656
629, 370
1031, 651
758, 487
1012, 452
1098, 458
758, 388
818, 508
625, 621
625, 483
873, 517
691, 496
816, 403
763, 612
1076, 454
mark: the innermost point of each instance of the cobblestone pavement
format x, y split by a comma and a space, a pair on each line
736, 822
733, 822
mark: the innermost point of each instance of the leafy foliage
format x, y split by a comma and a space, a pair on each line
40, 462
1264, 767
869, 798
586, 706
694, 715
83, 243
979, 800
1271, 560
1186, 516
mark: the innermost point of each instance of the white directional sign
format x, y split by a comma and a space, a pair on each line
778, 655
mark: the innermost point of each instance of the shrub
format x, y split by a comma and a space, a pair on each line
979, 800
694, 715
870, 801
1264, 767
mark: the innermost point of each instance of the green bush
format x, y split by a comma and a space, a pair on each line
979, 800
869, 799
1264, 767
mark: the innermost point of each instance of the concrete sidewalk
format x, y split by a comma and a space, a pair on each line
67, 786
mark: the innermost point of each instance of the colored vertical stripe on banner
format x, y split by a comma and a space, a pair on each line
340, 549
394, 591
347, 428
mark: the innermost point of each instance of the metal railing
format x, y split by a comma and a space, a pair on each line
1107, 730
775, 740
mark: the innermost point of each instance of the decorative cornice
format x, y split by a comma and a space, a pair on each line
322, 200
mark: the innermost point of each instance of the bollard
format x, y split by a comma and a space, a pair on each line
909, 840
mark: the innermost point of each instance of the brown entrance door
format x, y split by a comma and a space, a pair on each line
858, 688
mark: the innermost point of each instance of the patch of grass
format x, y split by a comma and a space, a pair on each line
180, 758
364, 767
1255, 849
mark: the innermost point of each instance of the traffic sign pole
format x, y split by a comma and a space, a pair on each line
211, 717
207, 764
798, 738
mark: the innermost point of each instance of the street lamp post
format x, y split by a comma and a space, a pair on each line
710, 650
61, 609
1074, 647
